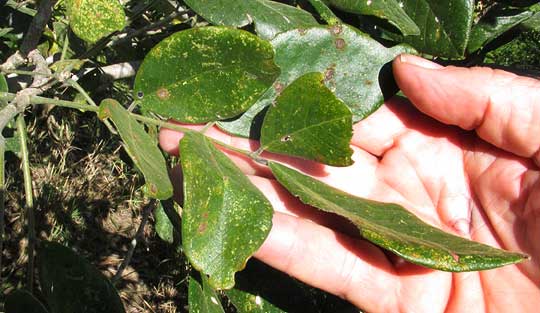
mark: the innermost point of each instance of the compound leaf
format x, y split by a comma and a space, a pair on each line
352, 63
392, 227
92, 20
141, 148
202, 297
270, 17
21, 301
308, 121
225, 217
205, 74
71, 284
390, 10
444, 26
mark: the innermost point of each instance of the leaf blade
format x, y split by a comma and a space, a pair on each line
141, 148
221, 78
386, 9
394, 228
83, 13
308, 121
21, 301
72, 284
270, 17
334, 51
202, 298
225, 218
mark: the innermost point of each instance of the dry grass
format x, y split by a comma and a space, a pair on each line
87, 197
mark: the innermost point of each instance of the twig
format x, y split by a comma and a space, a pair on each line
35, 30
29, 200
138, 236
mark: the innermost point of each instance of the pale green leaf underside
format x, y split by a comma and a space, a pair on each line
71, 284
392, 227
318, 127
3, 88
350, 60
225, 217
390, 10
92, 20
141, 148
270, 17
205, 74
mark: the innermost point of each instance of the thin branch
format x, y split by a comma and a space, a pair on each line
35, 30
138, 236
29, 201
2, 199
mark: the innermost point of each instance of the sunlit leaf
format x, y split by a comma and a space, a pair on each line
21, 301
353, 65
392, 227
308, 121
269, 17
92, 20
202, 298
205, 74
225, 218
390, 10
141, 148
71, 284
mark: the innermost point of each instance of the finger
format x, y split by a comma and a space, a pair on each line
503, 108
352, 269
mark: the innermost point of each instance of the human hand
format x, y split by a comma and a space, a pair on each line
469, 164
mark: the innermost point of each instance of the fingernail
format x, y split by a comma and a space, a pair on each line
418, 61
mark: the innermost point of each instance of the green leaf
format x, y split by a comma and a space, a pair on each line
13, 144
167, 222
392, 227
444, 26
141, 148
390, 10
308, 121
3, 88
92, 20
21, 301
203, 299
352, 63
493, 24
71, 284
533, 23
205, 74
270, 17
225, 217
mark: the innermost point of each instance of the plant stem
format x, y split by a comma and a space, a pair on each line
138, 236
325, 13
28, 73
29, 200
35, 30
83, 92
144, 119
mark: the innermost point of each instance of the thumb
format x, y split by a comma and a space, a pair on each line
503, 108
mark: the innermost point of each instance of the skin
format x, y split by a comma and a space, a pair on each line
463, 155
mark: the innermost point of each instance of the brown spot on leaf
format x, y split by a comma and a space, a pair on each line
329, 73
336, 29
301, 31
163, 93
202, 227
205, 215
368, 82
286, 138
340, 43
